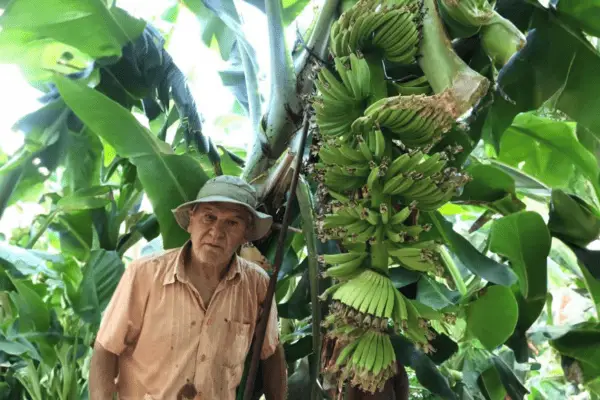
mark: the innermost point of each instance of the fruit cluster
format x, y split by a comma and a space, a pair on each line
377, 173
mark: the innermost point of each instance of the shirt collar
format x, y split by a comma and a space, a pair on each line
176, 270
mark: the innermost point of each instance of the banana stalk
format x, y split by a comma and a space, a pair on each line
446, 72
501, 39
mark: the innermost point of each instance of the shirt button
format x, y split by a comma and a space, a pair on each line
203, 358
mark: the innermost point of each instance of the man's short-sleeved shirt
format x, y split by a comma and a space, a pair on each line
166, 340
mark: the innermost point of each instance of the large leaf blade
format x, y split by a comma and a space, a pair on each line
524, 239
556, 59
167, 178
472, 259
100, 32
492, 317
548, 149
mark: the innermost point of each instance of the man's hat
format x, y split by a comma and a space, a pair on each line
228, 189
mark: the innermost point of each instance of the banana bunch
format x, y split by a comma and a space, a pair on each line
423, 181
466, 17
340, 101
356, 223
375, 173
422, 257
412, 87
370, 300
417, 120
369, 360
394, 29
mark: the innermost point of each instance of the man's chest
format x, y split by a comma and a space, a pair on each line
176, 321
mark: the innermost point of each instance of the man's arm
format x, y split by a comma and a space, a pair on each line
103, 371
274, 375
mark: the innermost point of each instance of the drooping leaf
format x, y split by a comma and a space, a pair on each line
168, 179
573, 220
427, 373
472, 259
493, 316
101, 32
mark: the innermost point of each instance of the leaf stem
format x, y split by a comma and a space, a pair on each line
40, 232
254, 103
305, 203
454, 272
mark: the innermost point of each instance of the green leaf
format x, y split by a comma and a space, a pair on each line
299, 349
76, 233
573, 220
524, 239
444, 347
435, 294
85, 199
427, 373
33, 312
99, 32
512, 384
584, 14
101, 275
548, 150
298, 305
493, 317
40, 56
25, 261
491, 385
581, 342
492, 187
83, 160
168, 179
555, 60
403, 277
472, 259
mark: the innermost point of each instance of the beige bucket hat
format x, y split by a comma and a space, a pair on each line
228, 189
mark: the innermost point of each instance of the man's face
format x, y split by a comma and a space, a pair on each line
217, 230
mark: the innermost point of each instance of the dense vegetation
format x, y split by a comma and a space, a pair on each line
450, 186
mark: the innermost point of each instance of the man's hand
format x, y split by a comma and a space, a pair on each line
275, 375
103, 371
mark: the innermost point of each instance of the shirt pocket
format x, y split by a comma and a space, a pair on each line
234, 338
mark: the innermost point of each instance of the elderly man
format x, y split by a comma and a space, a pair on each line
180, 324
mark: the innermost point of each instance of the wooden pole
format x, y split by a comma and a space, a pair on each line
261, 328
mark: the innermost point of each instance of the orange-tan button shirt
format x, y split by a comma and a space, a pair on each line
165, 338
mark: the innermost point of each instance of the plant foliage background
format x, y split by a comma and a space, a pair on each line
118, 139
